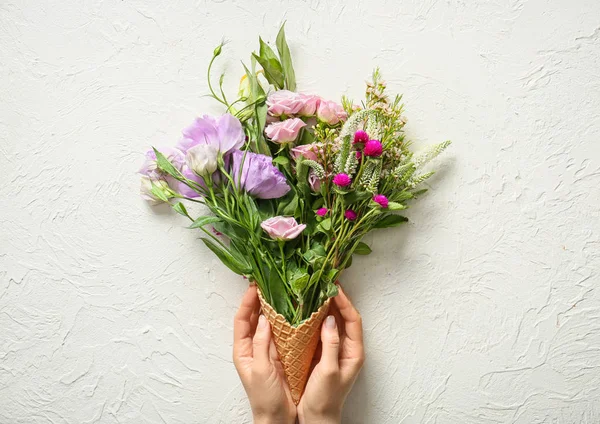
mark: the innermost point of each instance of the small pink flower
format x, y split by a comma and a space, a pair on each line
285, 131
284, 102
342, 180
361, 136
350, 215
310, 103
322, 211
381, 199
282, 228
373, 148
308, 151
358, 155
313, 181
330, 112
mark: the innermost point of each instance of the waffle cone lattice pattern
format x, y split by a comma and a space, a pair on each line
295, 345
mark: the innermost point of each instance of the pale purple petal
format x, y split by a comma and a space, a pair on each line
230, 132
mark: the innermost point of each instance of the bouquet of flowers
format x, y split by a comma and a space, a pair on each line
293, 183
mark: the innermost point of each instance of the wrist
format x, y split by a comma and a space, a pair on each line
265, 419
331, 417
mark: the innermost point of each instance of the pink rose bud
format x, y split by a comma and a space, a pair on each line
308, 151
350, 215
313, 181
330, 112
285, 131
310, 103
282, 228
361, 136
381, 199
342, 180
322, 211
373, 148
284, 102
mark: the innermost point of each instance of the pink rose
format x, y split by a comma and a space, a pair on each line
284, 102
310, 103
307, 151
284, 131
330, 112
282, 228
313, 181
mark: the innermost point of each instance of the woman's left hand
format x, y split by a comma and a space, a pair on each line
258, 365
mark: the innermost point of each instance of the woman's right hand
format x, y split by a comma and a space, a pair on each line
342, 356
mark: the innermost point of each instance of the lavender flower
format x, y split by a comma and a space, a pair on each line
150, 168
258, 176
224, 132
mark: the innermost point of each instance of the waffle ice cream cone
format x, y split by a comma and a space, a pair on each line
295, 345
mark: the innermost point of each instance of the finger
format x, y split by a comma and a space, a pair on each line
352, 319
273, 355
316, 358
333, 310
261, 342
330, 344
243, 327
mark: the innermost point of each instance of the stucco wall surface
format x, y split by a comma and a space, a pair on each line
485, 308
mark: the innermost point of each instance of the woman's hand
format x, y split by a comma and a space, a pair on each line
342, 356
258, 366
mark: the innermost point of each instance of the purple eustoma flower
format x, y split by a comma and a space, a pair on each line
150, 167
223, 132
258, 176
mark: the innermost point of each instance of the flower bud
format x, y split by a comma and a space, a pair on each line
202, 159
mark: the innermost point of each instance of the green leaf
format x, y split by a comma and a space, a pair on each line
331, 276
286, 59
356, 196
390, 221
164, 165
331, 290
237, 265
395, 206
316, 252
288, 205
204, 220
180, 209
362, 249
159, 193
325, 225
271, 65
299, 281
281, 160
278, 293
291, 208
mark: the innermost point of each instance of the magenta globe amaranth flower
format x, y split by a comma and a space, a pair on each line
373, 148
322, 211
342, 180
282, 228
258, 176
361, 136
350, 215
381, 200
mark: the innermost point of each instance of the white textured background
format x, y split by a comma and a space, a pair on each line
484, 309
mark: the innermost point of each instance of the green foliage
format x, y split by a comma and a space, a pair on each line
390, 220
236, 264
286, 60
362, 249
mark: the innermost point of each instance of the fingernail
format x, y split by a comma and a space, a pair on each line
330, 322
262, 321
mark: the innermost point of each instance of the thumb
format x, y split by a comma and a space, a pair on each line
330, 340
261, 341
